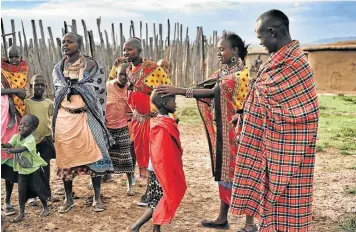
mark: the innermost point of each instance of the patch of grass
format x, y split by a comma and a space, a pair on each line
337, 124
348, 153
189, 115
351, 190
348, 224
340, 103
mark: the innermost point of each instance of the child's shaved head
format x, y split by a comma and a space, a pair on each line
38, 78
158, 100
164, 104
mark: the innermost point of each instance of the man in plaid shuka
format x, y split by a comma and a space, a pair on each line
277, 135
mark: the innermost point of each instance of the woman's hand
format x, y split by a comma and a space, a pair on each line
168, 90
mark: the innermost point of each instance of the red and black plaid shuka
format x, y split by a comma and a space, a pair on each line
277, 135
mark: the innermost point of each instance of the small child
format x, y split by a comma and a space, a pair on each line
28, 163
167, 184
117, 124
42, 108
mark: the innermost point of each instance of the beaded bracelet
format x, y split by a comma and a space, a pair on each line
189, 93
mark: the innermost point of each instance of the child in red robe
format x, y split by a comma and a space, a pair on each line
167, 184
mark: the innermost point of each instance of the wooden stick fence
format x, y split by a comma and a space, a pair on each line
191, 61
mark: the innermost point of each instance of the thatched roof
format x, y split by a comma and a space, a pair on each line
256, 50
342, 45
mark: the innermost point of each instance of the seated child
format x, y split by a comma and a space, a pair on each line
167, 184
28, 163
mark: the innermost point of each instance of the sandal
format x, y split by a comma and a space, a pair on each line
211, 224
253, 229
17, 219
32, 202
65, 207
98, 206
9, 211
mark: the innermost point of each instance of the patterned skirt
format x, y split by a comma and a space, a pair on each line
120, 152
154, 191
68, 174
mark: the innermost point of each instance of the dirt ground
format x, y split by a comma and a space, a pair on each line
333, 175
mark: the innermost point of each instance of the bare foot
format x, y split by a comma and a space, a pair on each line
130, 192
130, 229
19, 218
45, 212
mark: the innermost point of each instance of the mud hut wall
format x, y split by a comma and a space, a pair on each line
334, 71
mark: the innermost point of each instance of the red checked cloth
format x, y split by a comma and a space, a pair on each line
276, 155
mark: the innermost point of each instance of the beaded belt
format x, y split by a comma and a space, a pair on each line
142, 117
75, 111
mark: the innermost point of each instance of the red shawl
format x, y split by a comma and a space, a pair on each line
275, 160
166, 156
216, 115
15, 76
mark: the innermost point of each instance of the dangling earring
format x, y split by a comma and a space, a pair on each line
233, 59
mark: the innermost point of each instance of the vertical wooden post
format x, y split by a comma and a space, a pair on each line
74, 26
160, 31
169, 33
87, 48
133, 28
121, 41
24, 41
13, 31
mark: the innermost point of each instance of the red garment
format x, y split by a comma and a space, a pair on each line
166, 157
139, 101
225, 194
277, 144
15, 76
230, 91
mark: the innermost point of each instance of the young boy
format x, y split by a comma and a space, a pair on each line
116, 122
28, 163
167, 184
14, 71
42, 108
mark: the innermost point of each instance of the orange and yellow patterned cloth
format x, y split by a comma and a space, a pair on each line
15, 77
217, 114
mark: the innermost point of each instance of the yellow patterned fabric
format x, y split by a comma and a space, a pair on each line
112, 74
157, 78
242, 77
17, 78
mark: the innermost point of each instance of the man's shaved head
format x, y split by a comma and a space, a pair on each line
274, 18
272, 29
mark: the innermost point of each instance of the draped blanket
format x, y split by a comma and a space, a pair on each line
166, 156
276, 154
92, 90
217, 113
15, 77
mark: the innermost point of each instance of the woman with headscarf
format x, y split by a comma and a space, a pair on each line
81, 137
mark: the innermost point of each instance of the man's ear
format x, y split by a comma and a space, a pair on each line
165, 104
271, 31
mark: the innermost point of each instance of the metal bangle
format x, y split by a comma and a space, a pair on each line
189, 93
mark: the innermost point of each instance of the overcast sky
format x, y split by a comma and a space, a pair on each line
309, 21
